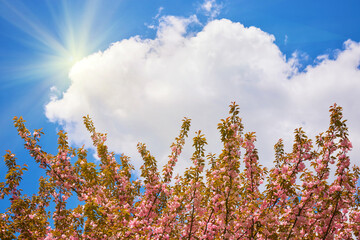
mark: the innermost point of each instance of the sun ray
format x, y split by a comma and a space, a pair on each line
72, 35
24, 20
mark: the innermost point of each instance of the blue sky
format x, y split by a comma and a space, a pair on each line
284, 62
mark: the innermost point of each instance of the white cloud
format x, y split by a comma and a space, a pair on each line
54, 93
159, 12
211, 8
140, 89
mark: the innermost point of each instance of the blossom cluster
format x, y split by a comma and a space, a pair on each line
214, 199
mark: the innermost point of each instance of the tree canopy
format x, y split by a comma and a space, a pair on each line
212, 200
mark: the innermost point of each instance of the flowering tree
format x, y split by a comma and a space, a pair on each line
219, 203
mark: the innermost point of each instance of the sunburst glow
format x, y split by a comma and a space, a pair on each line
59, 44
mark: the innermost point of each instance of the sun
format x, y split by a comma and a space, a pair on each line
59, 42
65, 60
